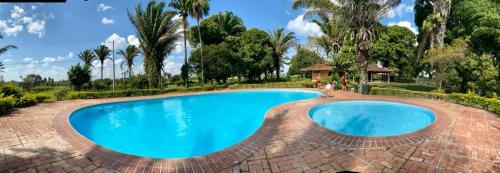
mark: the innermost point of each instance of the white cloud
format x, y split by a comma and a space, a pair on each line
17, 12
26, 19
7, 60
400, 10
303, 27
54, 67
12, 30
107, 21
173, 64
19, 20
120, 42
405, 24
28, 59
103, 7
47, 60
37, 27
133, 40
34, 7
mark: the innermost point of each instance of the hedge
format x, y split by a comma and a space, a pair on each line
136, 92
469, 99
7, 103
407, 93
308, 84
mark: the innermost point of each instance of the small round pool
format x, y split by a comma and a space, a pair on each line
371, 118
182, 126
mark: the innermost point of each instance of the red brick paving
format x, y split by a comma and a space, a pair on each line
470, 142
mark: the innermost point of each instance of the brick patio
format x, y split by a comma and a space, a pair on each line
469, 142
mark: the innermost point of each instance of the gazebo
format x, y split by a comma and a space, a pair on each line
322, 70
375, 69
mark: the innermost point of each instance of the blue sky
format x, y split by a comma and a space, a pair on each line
49, 36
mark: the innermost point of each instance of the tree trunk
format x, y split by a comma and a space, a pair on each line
278, 72
185, 46
102, 70
130, 71
201, 49
441, 7
363, 66
422, 45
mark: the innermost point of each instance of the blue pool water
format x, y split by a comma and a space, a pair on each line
180, 127
371, 118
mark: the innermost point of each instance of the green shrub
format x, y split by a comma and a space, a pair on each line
298, 84
10, 89
61, 93
7, 103
406, 93
41, 97
26, 100
471, 99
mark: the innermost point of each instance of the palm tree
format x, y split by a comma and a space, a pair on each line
102, 52
333, 34
129, 54
87, 56
361, 16
229, 24
199, 9
183, 7
281, 43
4, 50
156, 31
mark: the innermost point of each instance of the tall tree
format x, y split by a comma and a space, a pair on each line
442, 59
4, 50
281, 42
217, 27
333, 34
78, 76
157, 33
129, 54
361, 16
441, 10
182, 8
257, 53
394, 48
302, 59
102, 52
199, 9
87, 56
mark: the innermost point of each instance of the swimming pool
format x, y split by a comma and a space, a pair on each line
371, 118
181, 126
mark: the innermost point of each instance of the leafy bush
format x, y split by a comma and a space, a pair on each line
137, 92
7, 103
26, 100
406, 93
471, 99
61, 93
301, 84
10, 89
41, 97
78, 76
